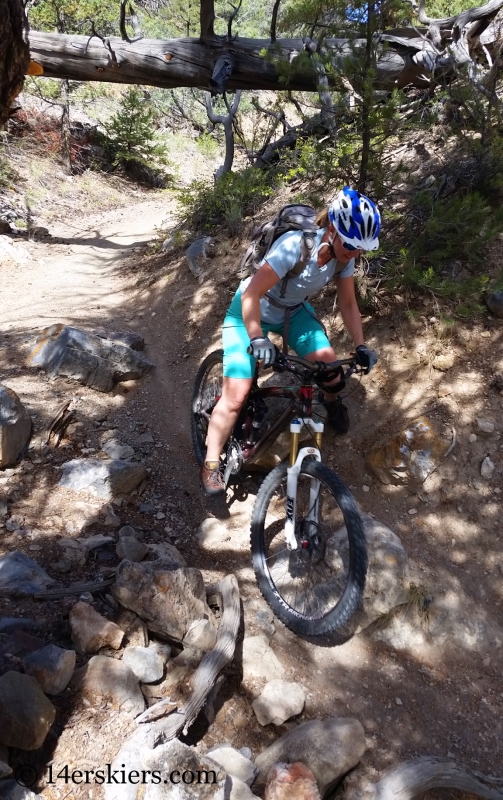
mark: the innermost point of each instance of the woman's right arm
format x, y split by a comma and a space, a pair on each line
263, 280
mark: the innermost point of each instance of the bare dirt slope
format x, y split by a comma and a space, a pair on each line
418, 697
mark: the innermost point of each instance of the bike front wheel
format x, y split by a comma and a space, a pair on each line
316, 588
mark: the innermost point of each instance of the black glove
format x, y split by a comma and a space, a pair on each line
366, 358
261, 347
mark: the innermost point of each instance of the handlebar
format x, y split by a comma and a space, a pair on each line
316, 370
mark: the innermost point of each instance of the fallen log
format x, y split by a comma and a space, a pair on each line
207, 671
413, 778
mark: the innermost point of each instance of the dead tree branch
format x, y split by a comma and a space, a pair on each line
227, 122
132, 19
274, 20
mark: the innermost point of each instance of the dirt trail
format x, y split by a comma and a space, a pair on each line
409, 702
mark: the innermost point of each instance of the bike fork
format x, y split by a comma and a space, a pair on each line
296, 458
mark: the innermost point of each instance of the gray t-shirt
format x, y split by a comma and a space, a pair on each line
282, 257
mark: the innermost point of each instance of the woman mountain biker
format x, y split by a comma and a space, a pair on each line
349, 226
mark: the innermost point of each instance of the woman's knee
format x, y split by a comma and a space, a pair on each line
325, 354
234, 392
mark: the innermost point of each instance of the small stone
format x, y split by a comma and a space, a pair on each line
472, 438
398, 701
3, 509
487, 468
160, 515
52, 667
443, 362
412, 511
116, 450
234, 763
26, 714
147, 665
93, 542
278, 702
20, 576
129, 547
145, 438
484, 427
91, 631
365, 488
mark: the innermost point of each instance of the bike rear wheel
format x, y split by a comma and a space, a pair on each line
206, 393
316, 588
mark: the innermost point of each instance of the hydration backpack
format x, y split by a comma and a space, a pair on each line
292, 217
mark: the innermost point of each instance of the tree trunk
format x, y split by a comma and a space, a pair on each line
189, 62
14, 54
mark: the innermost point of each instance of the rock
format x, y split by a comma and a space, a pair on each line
146, 664
52, 667
145, 438
20, 576
443, 361
410, 456
12, 790
88, 359
386, 583
291, 782
11, 624
278, 702
5, 769
91, 631
99, 540
39, 232
484, 427
15, 427
239, 790
259, 618
104, 678
26, 714
204, 778
135, 630
162, 650
329, 748
106, 479
168, 553
234, 763
201, 635
3, 509
129, 338
197, 254
259, 660
494, 303
487, 468
168, 600
115, 450
129, 547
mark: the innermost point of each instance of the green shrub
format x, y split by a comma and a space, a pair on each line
130, 138
228, 200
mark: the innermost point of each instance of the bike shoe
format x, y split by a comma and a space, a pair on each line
337, 415
211, 479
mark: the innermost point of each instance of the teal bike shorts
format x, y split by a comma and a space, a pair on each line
306, 335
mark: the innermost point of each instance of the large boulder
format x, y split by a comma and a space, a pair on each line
15, 427
168, 600
410, 456
105, 679
26, 714
87, 358
106, 479
330, 748
387, 577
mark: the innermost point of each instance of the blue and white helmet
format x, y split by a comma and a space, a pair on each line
356, 219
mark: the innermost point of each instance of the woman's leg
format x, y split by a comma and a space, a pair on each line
239, 369
309, 340
225, 414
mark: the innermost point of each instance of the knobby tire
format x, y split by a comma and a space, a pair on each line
202, 396
335, 569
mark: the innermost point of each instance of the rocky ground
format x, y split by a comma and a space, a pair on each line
418, 686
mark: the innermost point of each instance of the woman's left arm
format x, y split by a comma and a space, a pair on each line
348, 307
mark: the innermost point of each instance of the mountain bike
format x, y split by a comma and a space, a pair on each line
308, 544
